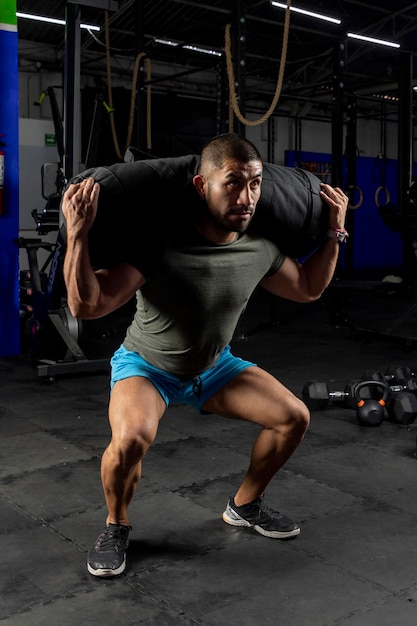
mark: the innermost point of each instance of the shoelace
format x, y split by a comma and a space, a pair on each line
261, 513
266, 513
110, 539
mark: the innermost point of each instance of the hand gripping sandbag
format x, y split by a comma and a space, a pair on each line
138, 200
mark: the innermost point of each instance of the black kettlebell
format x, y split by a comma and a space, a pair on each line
369, 411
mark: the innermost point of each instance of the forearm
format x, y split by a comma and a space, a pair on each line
83, 287
320, 268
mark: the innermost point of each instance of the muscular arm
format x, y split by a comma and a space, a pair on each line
306, 282
91, 294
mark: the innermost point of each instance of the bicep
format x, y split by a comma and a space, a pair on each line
288, 282
118, 286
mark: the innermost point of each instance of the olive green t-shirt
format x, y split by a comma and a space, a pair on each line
191, 303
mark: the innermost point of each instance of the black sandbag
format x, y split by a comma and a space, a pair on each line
290, 210
140, 198
138, 202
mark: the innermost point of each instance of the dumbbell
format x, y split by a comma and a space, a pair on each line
402, 406
402, 374
317, 396
400, 380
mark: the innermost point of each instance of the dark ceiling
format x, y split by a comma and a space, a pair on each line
370, 71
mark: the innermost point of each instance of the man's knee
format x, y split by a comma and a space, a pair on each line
297, 418
129, 447
301, 416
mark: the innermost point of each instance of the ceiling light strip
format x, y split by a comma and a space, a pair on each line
382, 42
176, 44
318, 16
53, 20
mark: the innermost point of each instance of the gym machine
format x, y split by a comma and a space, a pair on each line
54, 332
51, 326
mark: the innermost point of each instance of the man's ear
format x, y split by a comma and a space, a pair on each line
199, 182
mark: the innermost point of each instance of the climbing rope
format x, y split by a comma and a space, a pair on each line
135, 77
233, 100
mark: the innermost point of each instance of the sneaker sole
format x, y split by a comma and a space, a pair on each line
107, 573
273, 534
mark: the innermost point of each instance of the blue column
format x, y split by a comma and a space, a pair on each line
9, 209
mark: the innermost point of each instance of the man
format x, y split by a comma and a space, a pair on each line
189, 300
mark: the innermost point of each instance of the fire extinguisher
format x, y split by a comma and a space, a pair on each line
1, 176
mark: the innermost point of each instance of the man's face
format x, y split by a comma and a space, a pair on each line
232, 194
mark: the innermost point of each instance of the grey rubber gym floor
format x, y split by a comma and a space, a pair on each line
352, 488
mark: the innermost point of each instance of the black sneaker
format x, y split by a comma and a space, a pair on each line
108, 556
257, 516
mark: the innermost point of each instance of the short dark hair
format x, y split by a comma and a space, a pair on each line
228, 146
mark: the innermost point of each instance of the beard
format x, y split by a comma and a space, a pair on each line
237, 222
235, 219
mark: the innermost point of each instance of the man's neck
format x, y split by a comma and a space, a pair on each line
216, 234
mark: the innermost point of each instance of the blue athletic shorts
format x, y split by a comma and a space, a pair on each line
195, 391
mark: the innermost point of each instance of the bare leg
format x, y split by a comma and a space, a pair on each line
134, 413
256, 396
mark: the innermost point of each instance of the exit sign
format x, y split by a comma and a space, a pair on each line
50, 139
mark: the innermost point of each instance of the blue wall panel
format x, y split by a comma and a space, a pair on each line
375, 246
9, 217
